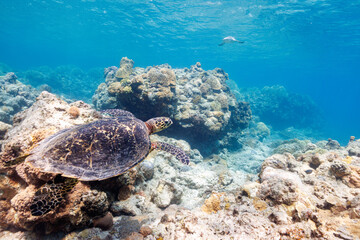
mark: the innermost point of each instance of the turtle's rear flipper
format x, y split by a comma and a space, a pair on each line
177, 152
50, 195
16, 161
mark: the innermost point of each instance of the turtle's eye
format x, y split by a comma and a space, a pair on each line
167, 122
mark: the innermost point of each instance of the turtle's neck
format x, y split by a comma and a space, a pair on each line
150, 128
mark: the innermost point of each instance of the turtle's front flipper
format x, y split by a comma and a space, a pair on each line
16, 161
177, 152
50, 195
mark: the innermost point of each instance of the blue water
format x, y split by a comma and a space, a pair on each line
311, 47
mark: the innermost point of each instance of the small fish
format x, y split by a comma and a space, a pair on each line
229, 39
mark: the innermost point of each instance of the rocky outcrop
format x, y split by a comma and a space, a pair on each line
199, 101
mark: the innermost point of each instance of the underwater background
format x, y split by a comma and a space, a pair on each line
310, 47
264, 136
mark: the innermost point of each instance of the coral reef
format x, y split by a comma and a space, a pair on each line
304, 191
199, 101
68, 81
14, 96
294, 189
280, 108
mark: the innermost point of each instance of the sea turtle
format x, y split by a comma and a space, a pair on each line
94, 151
229, 39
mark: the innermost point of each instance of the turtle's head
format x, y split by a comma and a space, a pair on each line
157, 124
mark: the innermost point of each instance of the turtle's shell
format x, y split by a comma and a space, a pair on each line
94, 151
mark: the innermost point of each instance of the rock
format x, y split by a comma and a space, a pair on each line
335, 203
8, 235
270, 173
90, 233
279, 217
147, 169
342, 233
261, 130
213, 203
353, 179
250, 189
332, 144
340, 169
128, 206
315, 161
4, 127
355, 202
277, 161
135, 236
165, 194
105, 223
74, 112
125, 192
354, 148
145, 230
95, 203
354, 213
128, 178
279, 191
294, 146
125, 69
8, 188
123, 228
